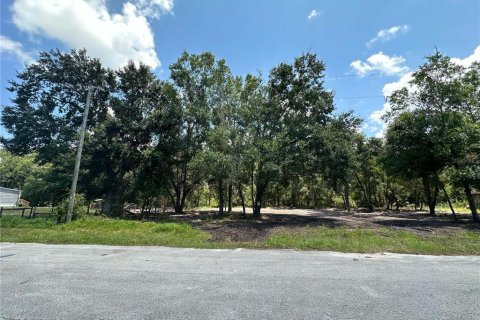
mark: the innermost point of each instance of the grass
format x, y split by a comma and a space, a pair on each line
459, 208
101, 231
378, 240
97, 230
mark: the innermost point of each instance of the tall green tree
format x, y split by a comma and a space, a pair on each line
336, 157
224, 100
260, 156
441, 94
194, 77
282, 119
120, 145
48, 103
368, 172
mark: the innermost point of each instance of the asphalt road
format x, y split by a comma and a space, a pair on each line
107, 282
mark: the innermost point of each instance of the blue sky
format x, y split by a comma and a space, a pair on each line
369, 46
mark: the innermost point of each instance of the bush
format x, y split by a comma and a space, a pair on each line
79, 208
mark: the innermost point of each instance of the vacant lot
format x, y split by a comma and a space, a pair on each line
281, 219
403, 232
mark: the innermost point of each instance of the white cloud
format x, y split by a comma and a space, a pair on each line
313, 14
388, 34
466, 62
15, 48
389, 88
154, 8
380, 62
377, 122
113, 38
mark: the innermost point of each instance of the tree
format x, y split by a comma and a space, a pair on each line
46, 112
224, 100
467, 162
464, 166
282, 119
40, 184
15, 170
194, 77
442, 95
119, 145
50, 95
337, 158
422, 146
261, 148
368, 173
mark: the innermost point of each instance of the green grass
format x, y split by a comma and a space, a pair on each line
378, 240
43, 210
98, 230
459, 208
101, 231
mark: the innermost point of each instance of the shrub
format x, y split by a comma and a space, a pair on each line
79, 208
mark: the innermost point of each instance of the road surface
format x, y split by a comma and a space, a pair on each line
109, 282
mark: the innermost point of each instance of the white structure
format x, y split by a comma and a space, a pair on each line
9, 197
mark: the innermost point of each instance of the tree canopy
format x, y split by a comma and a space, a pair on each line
251, 141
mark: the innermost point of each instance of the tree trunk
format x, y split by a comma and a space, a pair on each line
449, 203
471, 201
209, 197
252, 195
277, 196
294, 194
257, 206
178, 206
221, 200
142, 212
230, 192
113, 205
365, 195
431, 199
117, 206
347, 196
387, 199
180, 198
242, 200
416, 197
107, 204
256, 209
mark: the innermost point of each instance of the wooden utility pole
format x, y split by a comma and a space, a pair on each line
73, 189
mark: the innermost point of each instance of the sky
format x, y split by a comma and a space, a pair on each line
370, 47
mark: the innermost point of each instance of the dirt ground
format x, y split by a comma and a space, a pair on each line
235, 228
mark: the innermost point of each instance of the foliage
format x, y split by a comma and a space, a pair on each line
207, 137
434, 127
48, 104
15, 170
80, 208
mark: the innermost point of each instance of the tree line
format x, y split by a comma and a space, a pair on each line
208, 137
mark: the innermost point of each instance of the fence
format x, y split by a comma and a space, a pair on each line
26, 212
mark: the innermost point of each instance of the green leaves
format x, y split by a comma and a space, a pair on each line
434, 126
49, 100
